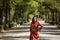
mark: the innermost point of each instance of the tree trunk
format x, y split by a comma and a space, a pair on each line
3, 13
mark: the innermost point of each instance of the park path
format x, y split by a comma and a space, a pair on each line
22, 32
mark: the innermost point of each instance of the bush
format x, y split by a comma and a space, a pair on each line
6, 26
11, 24
0, 27
58, 26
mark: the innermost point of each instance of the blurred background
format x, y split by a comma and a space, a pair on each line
16, 15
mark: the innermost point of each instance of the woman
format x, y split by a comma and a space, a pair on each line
34, 29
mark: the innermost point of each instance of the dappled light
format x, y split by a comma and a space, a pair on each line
16, 17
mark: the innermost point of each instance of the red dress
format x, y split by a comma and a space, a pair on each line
35, 35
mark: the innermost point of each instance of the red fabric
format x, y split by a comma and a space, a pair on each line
35, 35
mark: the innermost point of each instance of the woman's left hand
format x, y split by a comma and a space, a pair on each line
39, 28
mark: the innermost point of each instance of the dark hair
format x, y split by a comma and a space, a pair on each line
33, 19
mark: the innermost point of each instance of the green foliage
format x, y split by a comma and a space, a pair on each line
0, 4
21, 8
24, 7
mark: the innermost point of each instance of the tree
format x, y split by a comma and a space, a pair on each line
24, 7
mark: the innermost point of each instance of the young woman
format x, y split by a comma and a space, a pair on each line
35, 27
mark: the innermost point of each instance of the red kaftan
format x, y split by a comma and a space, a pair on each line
35, 35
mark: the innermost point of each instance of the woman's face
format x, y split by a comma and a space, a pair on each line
35, 19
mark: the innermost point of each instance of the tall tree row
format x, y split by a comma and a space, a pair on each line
19, 10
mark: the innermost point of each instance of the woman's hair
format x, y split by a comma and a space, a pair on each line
33, 19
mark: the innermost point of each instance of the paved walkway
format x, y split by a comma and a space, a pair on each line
22, 32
